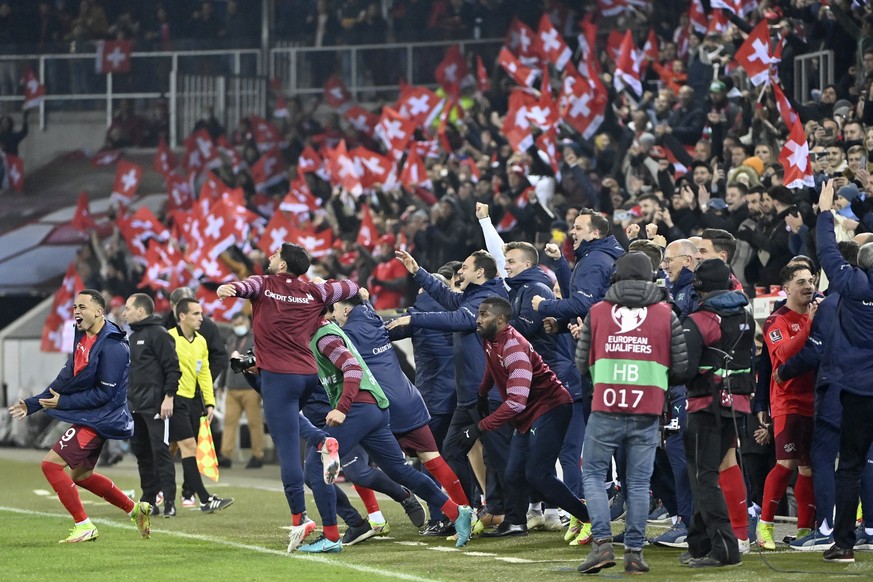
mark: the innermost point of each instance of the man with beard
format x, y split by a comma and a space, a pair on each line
791, 404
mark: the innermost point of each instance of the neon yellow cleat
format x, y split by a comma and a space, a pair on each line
81, 533
573, 530
584, 535
764, 533
142, 513
381, 529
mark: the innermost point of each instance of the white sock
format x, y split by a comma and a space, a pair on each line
538, 506
824, 529
551, 511
868, 531
376, 517
752, 512
674, 519
86, 522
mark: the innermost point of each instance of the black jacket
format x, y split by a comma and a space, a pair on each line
154, 365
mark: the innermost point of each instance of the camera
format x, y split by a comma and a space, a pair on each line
243, 362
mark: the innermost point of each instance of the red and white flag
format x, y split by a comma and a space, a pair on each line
336, 94
267, 136
127, 177
343, 170
627, 67
318, 244
34, 91
299, 199
14, 177
419, 104
280, 229
524, 76
651, 50
697, 17
583, 103
395, 131
269, 170
280, 109
718, 23
139, 228
219, 309
612, 7
82, 219
164, 161
367, 232
553, 47
483, 81
373, 168
309, 160
361, 119
179, 195
516, 126
524, 42
414, 173
738, 7
754, 54
452, 70
106, 158
57, 332
794, 157
789, 116
200, 152
545, 114
113, 56
589, 63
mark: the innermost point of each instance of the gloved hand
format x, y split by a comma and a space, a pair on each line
482, 406
467, 437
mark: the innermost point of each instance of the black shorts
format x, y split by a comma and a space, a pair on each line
185, 421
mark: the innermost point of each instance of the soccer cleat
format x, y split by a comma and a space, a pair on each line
675, 537
863, 541
745, 546
710, 562
215, 503
159, 498
505, 530
659, 515
169, 509
330, 460
356, 535
298, 533
601, 556
414, 509
617, 507
381, 529
801, 532
573, 530
552, 522
535, 519
839, 555
254, 463
189, 501
464, 525
323, 546
438, 528
85, 532
814, 541
142, 513
764, 534
584, 535
685, 558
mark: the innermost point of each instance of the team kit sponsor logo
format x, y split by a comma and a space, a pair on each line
289, 298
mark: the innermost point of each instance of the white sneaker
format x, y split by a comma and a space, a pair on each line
745, 546
535, 519
298, 533
190, 502
330, 460
552, 522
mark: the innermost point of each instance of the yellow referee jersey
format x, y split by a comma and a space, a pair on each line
194, 362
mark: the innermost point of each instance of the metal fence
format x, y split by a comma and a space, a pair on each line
229, 97
812, 71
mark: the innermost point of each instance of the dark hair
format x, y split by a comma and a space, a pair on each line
722, 240
529, 251
598, 221
744, 190
353, 300
144, 301
95, 296
484, 260
450, 269
184, 305
849, 249
649, 196
296, 258
786, 274
650, 249
499, 306
180, 293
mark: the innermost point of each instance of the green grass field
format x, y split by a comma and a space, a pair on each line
247, 542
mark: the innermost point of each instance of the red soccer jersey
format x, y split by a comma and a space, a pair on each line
785, 332
528, 386
285, 314
83, 351
386, 298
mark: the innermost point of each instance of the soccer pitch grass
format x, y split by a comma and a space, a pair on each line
247, 542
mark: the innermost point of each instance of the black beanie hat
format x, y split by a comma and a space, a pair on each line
712, 275
634, 266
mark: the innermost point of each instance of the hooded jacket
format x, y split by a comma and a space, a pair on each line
154, 365
555, 349
96, 397
460, 318
595, 263
684, 296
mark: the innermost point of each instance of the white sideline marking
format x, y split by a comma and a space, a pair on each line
513, 560
232, 544
443, 549
42, 492
416, 544
480, 554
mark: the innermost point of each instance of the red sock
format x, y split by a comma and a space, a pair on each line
734, 488
331, 532
774, 490
450, 510
297, 518
368, 496
805, 495
102, 486
447, 478
66, 490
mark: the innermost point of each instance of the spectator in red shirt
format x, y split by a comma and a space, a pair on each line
389, 280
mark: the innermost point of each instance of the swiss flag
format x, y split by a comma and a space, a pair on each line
139, 228
652, 48
200, 152
179, 195
218, 309
516, 126
583, 103
212, 190
521, 74
57, 331
281, 108
524, 42
414, 172
794, 157
697, 17
483, 81
419, 104
612, 7
738, 7
267, 136
164, 161
299, 199
508, 222
127, 177
362, 120
113, 56
451, 71
589, 63
309, 160
343, 170
269, 170
219, 229
627, 67
552, 44
318, 244
158, 269
14, 173
106, 158
34, 91
395, 131
335, 93
82, 219
754, 54
544, 114
718, 22
367, 233
789, 116
373, 168
53, 331
280, 229
547, 143
237, 164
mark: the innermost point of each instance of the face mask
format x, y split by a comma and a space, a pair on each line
240, 330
